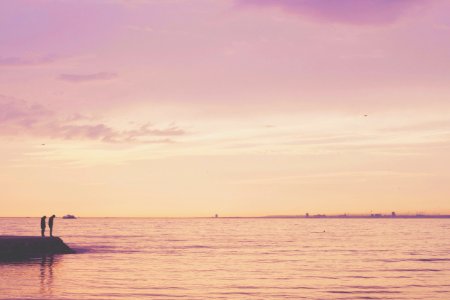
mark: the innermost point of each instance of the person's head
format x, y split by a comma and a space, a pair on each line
53, 216
44, 217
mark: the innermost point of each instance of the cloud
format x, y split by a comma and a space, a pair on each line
101, 76
19, 112
358, 12
18, 117
141, 28
436, 126
147, 129
18, 61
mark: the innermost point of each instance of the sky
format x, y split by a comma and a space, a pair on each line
182, 108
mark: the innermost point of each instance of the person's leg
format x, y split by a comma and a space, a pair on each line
42, 232
51, 231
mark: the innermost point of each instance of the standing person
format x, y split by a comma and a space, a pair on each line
43, 226
50, 224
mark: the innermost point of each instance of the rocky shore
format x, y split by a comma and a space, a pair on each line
19, 247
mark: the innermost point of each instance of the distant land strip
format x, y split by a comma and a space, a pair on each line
362, 216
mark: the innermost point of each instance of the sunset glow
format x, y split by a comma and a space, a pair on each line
154, 108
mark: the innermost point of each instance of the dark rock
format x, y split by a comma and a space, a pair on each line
17, 247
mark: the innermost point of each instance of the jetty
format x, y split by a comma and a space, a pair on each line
22, 247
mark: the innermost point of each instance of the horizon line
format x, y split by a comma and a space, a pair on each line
392, 215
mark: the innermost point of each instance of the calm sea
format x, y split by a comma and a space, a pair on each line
235, 259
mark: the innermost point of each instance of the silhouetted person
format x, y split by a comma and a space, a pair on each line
43, 226
50, 224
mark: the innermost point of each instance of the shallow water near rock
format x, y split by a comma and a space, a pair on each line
120, 258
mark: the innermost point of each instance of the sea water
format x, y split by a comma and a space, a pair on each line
219, 258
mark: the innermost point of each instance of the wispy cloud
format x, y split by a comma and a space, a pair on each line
436, 125
359, 12
100, 76
141, 28
333, 177
18, 117
19, 61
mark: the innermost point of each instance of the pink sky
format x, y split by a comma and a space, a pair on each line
235, 107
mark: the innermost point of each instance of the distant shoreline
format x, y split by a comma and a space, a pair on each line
377, 216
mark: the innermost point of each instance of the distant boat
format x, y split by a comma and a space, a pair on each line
69, 217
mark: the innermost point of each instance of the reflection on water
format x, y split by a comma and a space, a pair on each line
236, 259
46, 275
28, 278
